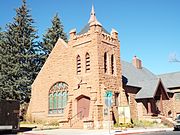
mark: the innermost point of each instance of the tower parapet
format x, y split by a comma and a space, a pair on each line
94, 27
72, 33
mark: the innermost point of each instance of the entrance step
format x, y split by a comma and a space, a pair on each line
167, 121
77, 124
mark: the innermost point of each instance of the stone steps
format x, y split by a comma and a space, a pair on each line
167, 121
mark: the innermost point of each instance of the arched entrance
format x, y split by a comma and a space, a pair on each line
83, 104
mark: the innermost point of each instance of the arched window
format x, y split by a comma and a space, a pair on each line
87, 62
58, 97
112, 64
105, 62
78, 59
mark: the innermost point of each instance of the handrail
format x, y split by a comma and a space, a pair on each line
75, 116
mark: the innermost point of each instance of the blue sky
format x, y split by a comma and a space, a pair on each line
149, 29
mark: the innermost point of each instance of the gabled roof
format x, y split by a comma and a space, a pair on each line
141, 78
171, 80
150, 88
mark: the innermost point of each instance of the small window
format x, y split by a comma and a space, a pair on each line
112, 64
78, 64
87, 62
177, 96
105, 62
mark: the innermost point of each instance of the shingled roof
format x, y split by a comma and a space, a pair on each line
141, 78
87, 27
171, 80
136, 77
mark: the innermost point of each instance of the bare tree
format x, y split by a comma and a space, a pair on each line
173, 57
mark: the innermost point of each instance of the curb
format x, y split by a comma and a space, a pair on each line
140, 132
33, 134
127, 132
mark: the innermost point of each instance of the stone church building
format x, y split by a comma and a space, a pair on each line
72, 84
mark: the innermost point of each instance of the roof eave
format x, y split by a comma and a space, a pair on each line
143, 97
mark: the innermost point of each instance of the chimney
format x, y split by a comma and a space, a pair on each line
137, 62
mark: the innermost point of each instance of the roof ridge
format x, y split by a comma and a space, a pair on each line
168, 73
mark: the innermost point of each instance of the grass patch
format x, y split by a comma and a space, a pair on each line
139, 123
145, 123
125, 125
40, 125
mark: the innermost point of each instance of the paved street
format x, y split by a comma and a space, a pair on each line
160, 133
155, 131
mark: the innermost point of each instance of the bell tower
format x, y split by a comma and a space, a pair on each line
97, 66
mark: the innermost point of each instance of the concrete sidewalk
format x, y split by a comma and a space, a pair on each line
142, 130
95, 132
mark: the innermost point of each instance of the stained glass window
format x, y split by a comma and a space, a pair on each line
55, 101
58, 97
59, 101
50, 102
